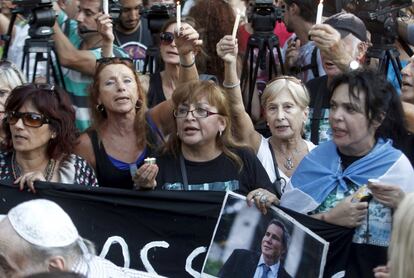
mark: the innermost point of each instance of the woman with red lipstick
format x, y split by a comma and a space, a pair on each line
365, 113
285, 101
40, 136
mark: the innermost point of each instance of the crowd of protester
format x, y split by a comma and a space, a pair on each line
332, 120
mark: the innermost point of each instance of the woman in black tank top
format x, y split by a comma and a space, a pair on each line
124, 132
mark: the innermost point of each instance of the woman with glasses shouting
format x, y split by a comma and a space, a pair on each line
40, 136
124, 132
285, 103
202, 154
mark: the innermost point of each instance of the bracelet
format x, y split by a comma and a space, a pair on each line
188, 66
231, 86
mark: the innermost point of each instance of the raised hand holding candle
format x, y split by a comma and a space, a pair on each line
178, 12
105, 6
236, 25
319, 12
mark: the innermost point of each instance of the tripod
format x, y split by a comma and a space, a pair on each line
42, 47
265, 43
385, 54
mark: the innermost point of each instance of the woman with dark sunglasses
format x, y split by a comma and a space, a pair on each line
159, 86
10, 77
124, 133
40, 136
285, 102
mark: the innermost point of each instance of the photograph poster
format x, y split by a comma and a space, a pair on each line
247, 243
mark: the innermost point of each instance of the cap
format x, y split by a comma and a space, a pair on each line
346, 23
43, 223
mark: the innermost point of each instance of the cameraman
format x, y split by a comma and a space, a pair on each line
132, 32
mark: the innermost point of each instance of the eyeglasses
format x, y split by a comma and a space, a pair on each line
166, 38
30, 119
197, 113
40, 86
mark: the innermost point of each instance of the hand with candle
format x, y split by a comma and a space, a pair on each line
332, 47
187, 40
145, 177
105, 28
227, 49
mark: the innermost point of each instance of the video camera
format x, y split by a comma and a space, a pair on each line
41, 16
157, 15
115, 9
264, 16
380, 18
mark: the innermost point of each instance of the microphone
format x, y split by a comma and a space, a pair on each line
85, 30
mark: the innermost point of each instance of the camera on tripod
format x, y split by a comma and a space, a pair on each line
264, 16
157, 15
41, 16
380, 18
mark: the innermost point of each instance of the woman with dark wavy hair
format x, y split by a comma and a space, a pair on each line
40, 136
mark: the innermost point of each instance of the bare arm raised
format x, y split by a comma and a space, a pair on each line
227, 50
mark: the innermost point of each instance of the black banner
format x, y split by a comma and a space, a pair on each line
177, 222
166, 231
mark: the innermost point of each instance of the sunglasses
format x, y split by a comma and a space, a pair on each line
166, 38
30, 119
39, 86
114, 60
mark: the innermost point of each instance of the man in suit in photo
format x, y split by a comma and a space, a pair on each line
250, 264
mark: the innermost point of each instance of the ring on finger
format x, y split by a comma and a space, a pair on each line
258, 193
263, 199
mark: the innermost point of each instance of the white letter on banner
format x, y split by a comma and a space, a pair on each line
190, 258
144, 254
124, 247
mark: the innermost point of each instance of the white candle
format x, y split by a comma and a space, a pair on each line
178, 12
319, 13
105, 6
236, 25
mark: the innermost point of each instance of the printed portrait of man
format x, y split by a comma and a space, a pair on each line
267, 263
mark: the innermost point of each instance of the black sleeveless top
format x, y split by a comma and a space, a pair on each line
155, 93
110, 176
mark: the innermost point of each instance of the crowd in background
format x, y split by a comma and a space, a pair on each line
329, 122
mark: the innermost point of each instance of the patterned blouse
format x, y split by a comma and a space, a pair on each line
73, 170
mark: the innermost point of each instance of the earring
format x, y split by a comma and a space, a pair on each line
220, 133
100, 108
138, 105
